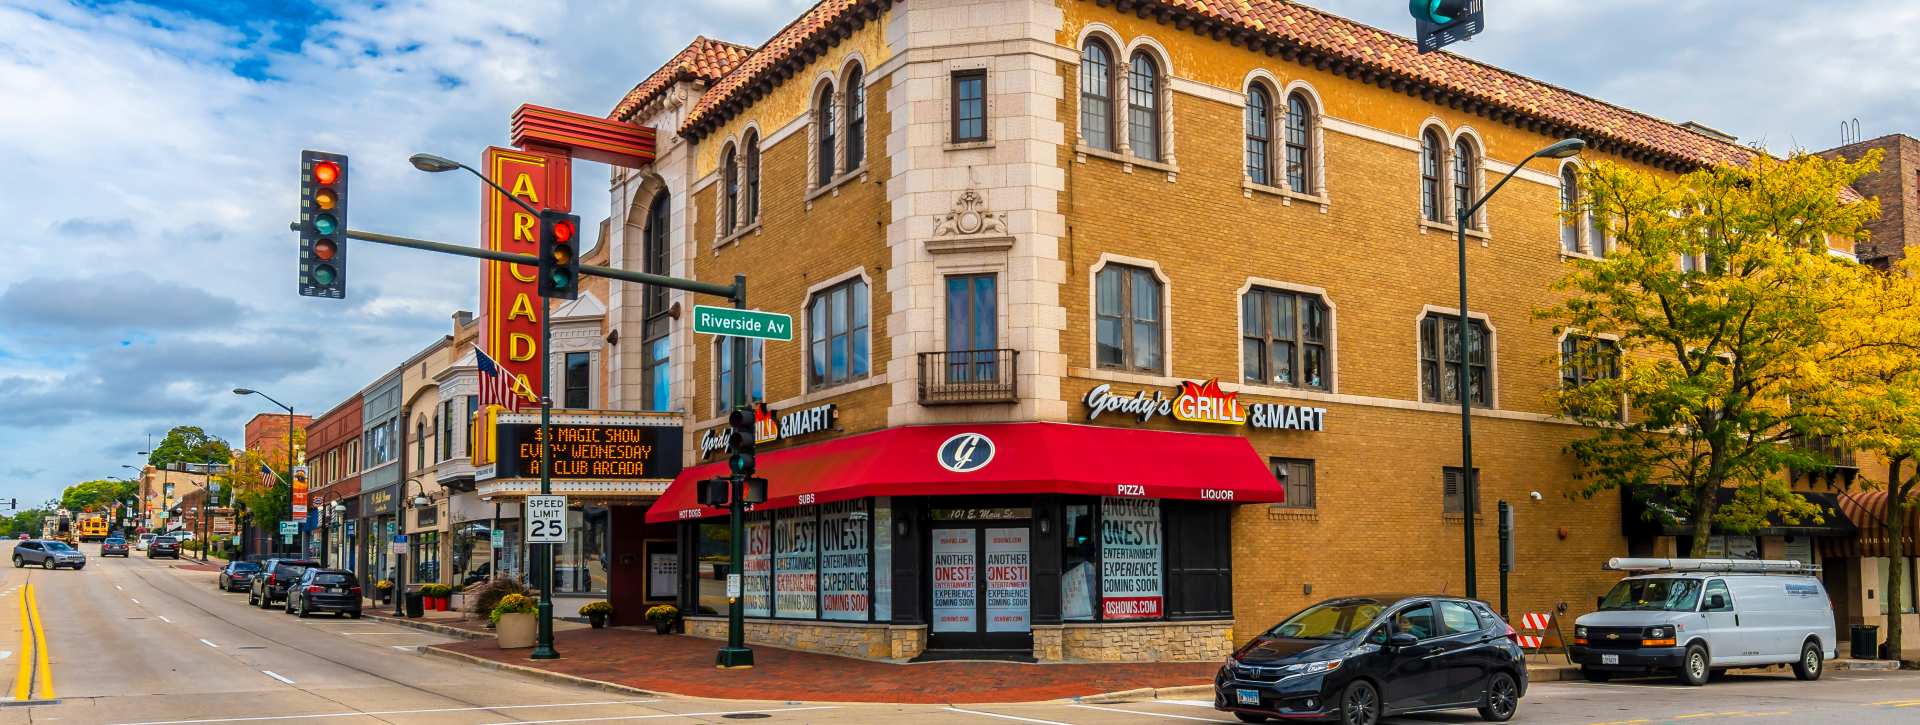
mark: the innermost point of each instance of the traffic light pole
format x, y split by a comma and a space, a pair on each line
736, 655
543, 645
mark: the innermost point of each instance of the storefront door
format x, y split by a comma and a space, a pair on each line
981, 585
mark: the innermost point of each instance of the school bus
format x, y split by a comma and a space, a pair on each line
93, 527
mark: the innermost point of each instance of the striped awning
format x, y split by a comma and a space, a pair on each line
1868, 511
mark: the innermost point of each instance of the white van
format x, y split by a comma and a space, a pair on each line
1699, 617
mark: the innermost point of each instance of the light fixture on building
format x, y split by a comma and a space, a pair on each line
1045, 525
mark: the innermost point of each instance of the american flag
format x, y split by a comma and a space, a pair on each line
497, 386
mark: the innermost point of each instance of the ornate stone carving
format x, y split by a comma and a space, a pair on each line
970, 217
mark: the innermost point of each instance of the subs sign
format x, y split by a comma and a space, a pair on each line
1204, 403
769, 426
600, 452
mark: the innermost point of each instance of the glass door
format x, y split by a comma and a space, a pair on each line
981, 585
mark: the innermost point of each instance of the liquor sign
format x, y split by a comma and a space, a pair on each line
299, 491
596, 451
509, 298
1204, 403
769, 426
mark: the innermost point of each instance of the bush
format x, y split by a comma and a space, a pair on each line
511, 604
486, 595
662, 613
601, 608
435, 590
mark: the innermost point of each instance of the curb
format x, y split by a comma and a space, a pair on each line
1183, 692
1864, 665
536, 672
431, 627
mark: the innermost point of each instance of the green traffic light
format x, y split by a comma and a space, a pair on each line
562, 280
323, 275
323, 223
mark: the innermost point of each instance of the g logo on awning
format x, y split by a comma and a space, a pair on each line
966, 453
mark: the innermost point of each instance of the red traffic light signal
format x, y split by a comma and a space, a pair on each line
559, 263
323, 219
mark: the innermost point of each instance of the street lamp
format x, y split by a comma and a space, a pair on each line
1561, 149
289, 472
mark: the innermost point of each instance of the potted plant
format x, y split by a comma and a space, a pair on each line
663, 616
597, 613
513, 622
436, 596
384, 589
481, 597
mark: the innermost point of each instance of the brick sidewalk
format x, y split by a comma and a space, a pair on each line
684, 666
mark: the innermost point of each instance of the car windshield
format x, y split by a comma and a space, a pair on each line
333, 579
245, 566
1667, 595
58, 546
1338, 619
116, 541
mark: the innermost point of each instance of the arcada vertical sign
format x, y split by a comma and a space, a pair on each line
509, 298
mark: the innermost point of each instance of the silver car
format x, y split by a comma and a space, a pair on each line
47, 554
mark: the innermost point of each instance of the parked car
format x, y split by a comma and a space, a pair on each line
1699, 617
324, 590
1359, 659
181, 535
114, 545
270, 585
236, 576
144, 541
47, 553
163, 546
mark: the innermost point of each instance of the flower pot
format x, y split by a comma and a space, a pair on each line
598, 621
439, 604
663, 626
517, 631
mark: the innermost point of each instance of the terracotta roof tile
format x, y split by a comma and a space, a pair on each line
705, 59
804, 31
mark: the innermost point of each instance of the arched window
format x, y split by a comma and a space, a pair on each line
1096, 95
1569, 200
1260, 135
1465, 166
420, 441
856, 119
656, 393
751, 204
1143, 106
1430, 199
730, 205
1299, 143
824, 131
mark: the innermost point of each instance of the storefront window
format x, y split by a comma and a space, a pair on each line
711, 556
508, 555
472, 555
882, 560
756, 587
844, 561
1077, 565
580, 565
424, 550
1130, 551
796, 562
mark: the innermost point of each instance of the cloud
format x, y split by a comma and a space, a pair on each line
108, 305
94, 227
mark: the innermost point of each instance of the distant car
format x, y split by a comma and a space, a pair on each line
113, 546
1357, 660
270, 585
144, 540
48, 554
236, 576
163, 546
24, 537
181, 535
325, 590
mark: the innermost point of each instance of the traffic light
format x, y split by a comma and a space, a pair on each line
713, 491
559, 264
740, 441
1438, 23
323, 224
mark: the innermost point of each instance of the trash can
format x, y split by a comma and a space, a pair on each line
1866, 641
416, 607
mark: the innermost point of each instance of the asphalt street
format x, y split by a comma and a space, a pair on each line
141, 642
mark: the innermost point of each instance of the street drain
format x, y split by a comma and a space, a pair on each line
746, 716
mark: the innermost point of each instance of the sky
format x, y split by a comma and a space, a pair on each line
152, 151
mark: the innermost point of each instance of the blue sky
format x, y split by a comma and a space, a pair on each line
152, 149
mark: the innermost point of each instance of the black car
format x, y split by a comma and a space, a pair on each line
236, 576
270, 585
325, 590
163, 546
115, 546
1359, 659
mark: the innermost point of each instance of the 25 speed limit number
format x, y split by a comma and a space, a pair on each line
546, 519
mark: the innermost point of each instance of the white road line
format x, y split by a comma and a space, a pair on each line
388, 712
1016, 718
163, 618
1152, 714
209, 644
116, 587
135, 601
391, 634
721, 713
402, 647
1193, 703
5, 654
277, 676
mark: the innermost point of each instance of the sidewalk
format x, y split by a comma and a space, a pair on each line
681, 665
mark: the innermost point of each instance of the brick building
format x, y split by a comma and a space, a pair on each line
333, 446
1897, 186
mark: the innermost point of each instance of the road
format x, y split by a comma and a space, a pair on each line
142, 642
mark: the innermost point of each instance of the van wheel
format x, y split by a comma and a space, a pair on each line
1501, 700
1809, 665
1594, 675
1693, 669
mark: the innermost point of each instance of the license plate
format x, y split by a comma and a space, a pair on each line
1247, 697
1609, 659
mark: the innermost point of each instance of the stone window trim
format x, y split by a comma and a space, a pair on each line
1280, 94
955, 78
1093, 313
1559, 347
825, 97
1586, 233
1333, 337
1493, 354
1121, 61
853, 73
752, 230
952, 69
944, 269
1447, 193
804, 335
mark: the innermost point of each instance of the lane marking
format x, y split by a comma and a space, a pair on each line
209, 644
5, 653
277, 676
163, 618
1152, 714
23, 676
116, 587
44, 661
401, 647
390, 712
721, 713
1015, 718
135, 601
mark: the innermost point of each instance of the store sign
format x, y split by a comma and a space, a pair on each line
380, 502
1009, 581
510, 304
771, 427
1203, 403
954, 601
966, 453
598, 451
1130, 551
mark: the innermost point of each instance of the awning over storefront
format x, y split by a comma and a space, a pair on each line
998, 458
1868, 509
1649, 510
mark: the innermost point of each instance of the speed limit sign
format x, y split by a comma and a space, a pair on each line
546, 519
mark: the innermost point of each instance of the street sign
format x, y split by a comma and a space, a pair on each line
733, 586
546, 519
399, 543
742, 323
499, 539
289, 528
392, 528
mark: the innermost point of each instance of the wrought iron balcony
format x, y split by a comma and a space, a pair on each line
968, 376
1841, 468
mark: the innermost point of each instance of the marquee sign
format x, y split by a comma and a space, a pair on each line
1206, 402
592, 451
510, 300
770, 427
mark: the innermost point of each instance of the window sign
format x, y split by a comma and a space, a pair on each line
953, 580
1130, 552
795, 556
844, 556
882, 560
1009, 580
757, 599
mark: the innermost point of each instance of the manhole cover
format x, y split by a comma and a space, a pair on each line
746, 716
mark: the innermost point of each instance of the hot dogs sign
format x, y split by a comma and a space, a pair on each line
1204, 403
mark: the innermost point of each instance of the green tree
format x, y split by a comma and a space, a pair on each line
28, 522
266, 500
1722, 296
96, 495
189, 444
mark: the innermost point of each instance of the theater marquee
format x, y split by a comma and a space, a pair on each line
602, 446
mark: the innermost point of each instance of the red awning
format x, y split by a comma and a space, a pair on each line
996, 458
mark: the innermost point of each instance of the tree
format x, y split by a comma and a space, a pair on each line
189, 444
1722, 296
265, 500
96, 495
29, 521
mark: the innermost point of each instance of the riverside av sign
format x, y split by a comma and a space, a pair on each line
1206, 402
711, 320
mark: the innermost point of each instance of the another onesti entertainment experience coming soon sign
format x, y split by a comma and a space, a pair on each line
596, 452
1204, 403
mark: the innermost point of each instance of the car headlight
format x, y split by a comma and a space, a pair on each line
1580, 630
1659, 632
1313, 668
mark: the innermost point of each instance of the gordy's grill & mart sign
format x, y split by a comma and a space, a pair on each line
1204, 403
